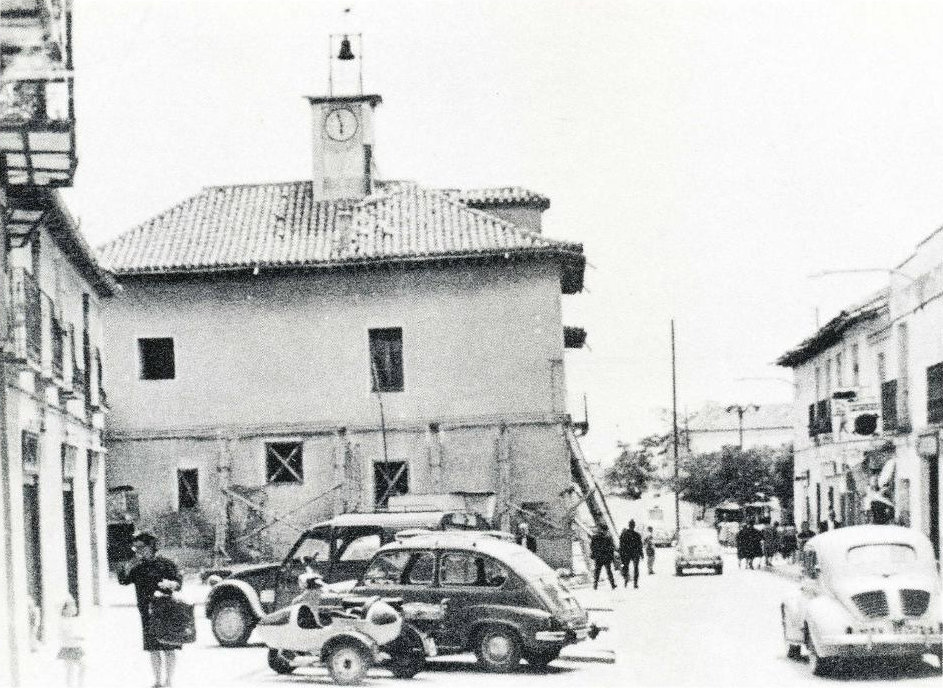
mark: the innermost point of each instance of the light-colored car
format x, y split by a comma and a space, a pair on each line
698, 548
866, 591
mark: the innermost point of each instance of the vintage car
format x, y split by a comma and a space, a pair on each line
499, 600
698, 548
662, 536
866, 591
338, 550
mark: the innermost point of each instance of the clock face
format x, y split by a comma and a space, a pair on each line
340, 124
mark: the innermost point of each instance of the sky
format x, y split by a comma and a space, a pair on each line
709, 155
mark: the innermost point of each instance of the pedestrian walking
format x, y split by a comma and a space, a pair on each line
754, 544
524, 538
152, 576
630, 551
788, 544
602, 550
770, 543
805, 534
741, 540
72, 641
650, 549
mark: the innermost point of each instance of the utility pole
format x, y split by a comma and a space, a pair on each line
740, 411
674, 423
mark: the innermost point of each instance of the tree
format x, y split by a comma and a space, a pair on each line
783, 479
732, 474
634, 469
698, 480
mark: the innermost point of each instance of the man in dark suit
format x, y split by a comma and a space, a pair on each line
602, 550
524, 538
630, 552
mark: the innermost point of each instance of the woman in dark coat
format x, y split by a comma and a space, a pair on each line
742, 542
152, 576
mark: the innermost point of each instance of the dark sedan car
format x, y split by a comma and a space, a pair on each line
495, 597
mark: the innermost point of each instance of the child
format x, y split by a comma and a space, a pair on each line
72, 639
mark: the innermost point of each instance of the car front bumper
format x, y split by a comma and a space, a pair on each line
699, 562
568, 636
880, 644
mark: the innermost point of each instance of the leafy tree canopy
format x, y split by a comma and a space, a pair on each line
635, 469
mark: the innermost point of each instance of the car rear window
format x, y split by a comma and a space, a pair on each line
885, 554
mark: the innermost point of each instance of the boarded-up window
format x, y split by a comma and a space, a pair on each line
283, 462
390, 478
188, 488
156, 357
386, 359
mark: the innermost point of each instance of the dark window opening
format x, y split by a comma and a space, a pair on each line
283, 462
188, 488
935, 393
390, 478
889, 405
157, 358
386, 359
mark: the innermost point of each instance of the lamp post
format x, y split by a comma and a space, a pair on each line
740, 411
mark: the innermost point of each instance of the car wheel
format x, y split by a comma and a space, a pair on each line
407, 654
498, 649
719, 570
539, 659
678, 570
280, 662
232, 623
820, 666
347, 663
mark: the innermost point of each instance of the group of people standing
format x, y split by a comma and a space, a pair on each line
632, 548
766, 544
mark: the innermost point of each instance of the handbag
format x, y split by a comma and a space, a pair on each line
172, 621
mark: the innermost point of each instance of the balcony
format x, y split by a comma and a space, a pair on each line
37, 119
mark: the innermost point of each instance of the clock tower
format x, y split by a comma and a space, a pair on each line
343, 145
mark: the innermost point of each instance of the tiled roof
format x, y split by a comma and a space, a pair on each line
506, 195
481, 198
831, 333
280, 225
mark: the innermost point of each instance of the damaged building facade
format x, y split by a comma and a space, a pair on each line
283, 352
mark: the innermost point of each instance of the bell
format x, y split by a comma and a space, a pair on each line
345, 52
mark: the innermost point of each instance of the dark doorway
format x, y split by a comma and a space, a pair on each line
71, 550
31, 532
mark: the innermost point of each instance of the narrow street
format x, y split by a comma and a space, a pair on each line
691, 631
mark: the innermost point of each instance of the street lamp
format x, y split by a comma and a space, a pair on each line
740, 411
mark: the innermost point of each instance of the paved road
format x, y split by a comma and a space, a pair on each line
698, 630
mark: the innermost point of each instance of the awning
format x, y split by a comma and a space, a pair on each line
887, 473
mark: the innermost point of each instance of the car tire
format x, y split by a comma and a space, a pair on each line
407, 653
539, 659
232, 623
820, 666
719, 570
279, 661
678, 571
347, 663
498, 649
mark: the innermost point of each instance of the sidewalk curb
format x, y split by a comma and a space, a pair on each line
597, 657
